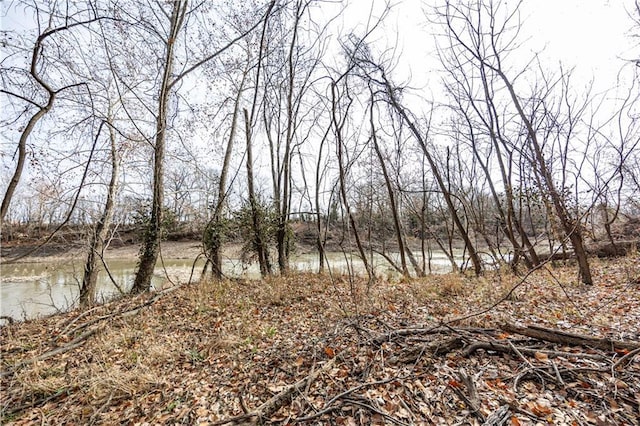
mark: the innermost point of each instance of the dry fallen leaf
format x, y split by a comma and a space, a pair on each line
541, 356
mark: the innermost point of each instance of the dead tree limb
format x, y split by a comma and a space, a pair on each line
562, 337
75, 343
498, 347
271, 406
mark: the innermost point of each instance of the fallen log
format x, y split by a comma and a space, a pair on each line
564, 338
417, 331
617, 249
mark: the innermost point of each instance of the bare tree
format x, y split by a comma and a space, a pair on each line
214, 231
340, 108
167, 86
393, 204
153, 234
45, 95
479, 36
99, 236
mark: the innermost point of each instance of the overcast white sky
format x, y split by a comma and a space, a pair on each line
591, 35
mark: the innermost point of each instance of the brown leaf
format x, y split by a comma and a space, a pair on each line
454, 383
541, 356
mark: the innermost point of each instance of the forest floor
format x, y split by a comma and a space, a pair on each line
316, 349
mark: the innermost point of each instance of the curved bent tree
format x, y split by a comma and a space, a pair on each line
42, 107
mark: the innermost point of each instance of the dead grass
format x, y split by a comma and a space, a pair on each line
189, 355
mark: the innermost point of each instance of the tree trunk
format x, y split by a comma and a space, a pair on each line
392, 198
258, 232
320, 241
571, 228
343, 189
99, 236
213, 237
153, 234
473, 254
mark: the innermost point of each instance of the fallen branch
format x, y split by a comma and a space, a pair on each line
126, 313
403, 332
564, 338
498, 417
82, 338
267, 409
367, 405
34, 403
329, 407
472, 401
439, 347
497, 347
75, 343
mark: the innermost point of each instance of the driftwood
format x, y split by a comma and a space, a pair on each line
564, 338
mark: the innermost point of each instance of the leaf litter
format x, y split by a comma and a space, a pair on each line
316, 349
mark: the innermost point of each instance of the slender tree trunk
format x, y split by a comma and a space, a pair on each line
473, 254
511, 221
22, 156
258, 232
343, 189
259, 244
214, 232
571, 228
153, 234
319, 238
99, 236
392, 198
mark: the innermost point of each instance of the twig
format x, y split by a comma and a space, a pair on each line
75, 343
472, 407
375, 410
268, 408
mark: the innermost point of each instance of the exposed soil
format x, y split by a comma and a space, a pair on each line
126, 245
54, 252
312, 349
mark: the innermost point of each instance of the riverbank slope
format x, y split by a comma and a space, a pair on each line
314, 349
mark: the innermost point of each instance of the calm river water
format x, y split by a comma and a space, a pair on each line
29, 290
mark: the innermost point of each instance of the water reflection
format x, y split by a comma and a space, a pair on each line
28, 290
